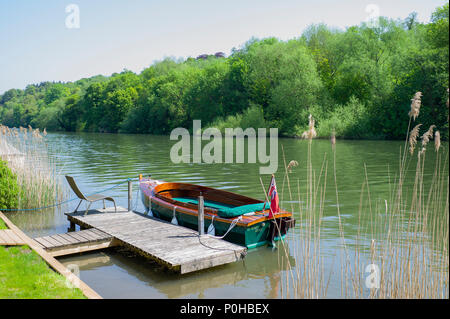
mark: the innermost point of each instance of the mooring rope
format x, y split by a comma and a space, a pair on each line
66, 201
233, 223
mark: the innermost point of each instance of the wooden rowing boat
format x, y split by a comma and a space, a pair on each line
243, 220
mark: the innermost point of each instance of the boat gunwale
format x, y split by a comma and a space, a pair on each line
205, 189
191, 209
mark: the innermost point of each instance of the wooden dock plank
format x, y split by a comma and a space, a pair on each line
177, 247
78, 237
60, 239
52, 241
4, 238
79, 242
75, 242
43, 242
82, 235
68, 240
9, 238
16, 238
99, 232
91, 235
88, 235
7, 234
82, 247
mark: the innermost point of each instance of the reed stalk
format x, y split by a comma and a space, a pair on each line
26, 153
405, 236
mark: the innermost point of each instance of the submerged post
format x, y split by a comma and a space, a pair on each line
130, 191
201, 215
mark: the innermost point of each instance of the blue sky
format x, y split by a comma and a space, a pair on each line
116, 34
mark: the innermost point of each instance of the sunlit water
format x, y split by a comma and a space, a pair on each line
100, 161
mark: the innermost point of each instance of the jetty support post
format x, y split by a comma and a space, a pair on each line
130, 191
201, 216
72, 226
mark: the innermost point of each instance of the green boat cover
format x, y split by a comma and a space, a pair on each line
241, 210
224, 210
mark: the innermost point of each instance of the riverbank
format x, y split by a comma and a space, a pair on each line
338, 76
294, 137
27, 271
24, 274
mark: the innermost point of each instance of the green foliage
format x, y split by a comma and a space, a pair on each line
69, 117
55, 92
9, 190
438, 29
47, 118
282, 78
359, 81
347, 121
252, 117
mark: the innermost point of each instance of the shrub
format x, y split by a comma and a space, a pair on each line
251, 117
9, 190
349, 121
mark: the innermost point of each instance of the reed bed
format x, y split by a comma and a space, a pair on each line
400, 249
26, 152
305, 279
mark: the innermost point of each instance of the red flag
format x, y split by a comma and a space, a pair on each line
274, 201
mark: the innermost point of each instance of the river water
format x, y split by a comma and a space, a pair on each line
100, 161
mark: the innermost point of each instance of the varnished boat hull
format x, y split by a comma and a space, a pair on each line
250, 235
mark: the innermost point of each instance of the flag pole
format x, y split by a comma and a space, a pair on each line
267, 193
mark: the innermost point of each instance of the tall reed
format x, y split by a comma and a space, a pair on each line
26, 153
305, 279
401, 247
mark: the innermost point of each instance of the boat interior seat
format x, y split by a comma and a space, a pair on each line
224, 210
207, 203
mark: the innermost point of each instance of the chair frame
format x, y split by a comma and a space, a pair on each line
90, 199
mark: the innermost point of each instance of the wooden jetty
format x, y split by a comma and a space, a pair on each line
175, 247
76, 242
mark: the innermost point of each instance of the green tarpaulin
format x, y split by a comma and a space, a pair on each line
224, 210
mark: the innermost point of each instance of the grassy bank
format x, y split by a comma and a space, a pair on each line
29, 180
23, 274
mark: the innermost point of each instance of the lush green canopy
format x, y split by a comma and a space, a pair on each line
358, 82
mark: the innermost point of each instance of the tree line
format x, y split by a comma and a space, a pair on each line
356, 82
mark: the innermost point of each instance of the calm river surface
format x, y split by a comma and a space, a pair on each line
100, 161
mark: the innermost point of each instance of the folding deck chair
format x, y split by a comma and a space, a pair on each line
90, 199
